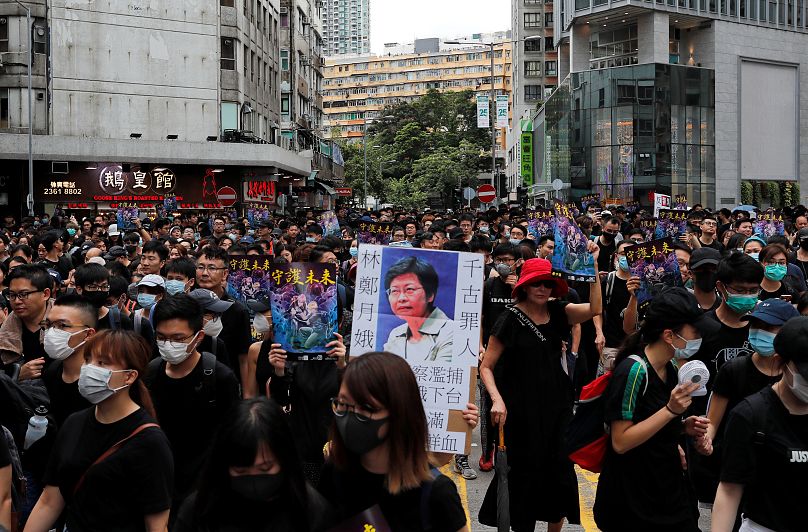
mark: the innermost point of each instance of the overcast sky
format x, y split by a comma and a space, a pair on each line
402, 21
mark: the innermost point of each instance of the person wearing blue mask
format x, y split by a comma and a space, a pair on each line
609, 334
744, 376
753, 246
774, 259
180, 276
646, 411
150, 290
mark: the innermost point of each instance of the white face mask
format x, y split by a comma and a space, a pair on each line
213, 327
175, 352
56, 343
798, 386
260, 323
94, 383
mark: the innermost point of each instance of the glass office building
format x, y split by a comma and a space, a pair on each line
627, 131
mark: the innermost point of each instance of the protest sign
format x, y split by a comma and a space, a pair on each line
661, 201
632, 206
648, 226
769, 224
655, 264
439, 293
374, 233
302, 296
126, 218
328, 221
570, 257
170, 204
680, 202
540, 223
588, 199
257, 214
670, 223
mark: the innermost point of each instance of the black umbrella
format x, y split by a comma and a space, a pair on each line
503, 495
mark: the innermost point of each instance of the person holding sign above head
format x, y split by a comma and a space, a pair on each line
642, 485
412, 285
378, 467
533, 396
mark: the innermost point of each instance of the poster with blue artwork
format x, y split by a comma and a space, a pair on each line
540, 223
655, 264
670, 223
570, 257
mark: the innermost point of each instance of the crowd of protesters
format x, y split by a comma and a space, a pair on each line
165, 413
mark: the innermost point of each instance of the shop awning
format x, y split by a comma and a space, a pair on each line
325, 187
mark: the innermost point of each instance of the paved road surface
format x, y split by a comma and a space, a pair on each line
473, 491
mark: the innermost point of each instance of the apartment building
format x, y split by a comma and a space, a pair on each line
693, 97
346, 27
136, 100
357, 89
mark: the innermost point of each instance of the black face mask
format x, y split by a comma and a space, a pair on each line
704, 281
257, 487
97, 299
804, 243
360, 437
608, 237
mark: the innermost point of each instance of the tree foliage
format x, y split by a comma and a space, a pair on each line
421, 149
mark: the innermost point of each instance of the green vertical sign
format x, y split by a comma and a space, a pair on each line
526, 159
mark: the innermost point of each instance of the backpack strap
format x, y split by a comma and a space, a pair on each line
637, 358
138, 322
426, 494
214, 345
610, 286
208, 385
112, 450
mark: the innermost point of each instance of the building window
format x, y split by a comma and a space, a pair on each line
246, 9
40, 37
532, 68
227, 3
229, 115
3, 34
285, 20
548, 44
534, 2
532, 92
246, 59
533, 20
533, 45
550, 68
252, 66
285, 107
548, 19
228, 59
284, 60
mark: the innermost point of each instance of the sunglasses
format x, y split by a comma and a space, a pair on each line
546, 284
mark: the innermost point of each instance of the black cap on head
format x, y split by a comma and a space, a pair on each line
791, 343
675, 306
703, 256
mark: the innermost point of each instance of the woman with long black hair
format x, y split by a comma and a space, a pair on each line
254, 480
643, 485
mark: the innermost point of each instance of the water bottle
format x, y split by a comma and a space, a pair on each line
37, 427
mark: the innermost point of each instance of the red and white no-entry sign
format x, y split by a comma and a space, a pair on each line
227, 196
486, 193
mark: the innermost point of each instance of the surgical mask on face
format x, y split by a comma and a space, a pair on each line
175, 352
175, 286
622, 263
213, 327
514, 241
146, 300
762, 342
798, 386
257, 488
740, 303
354, 252
691, 348
94, 383
56, 345
71, 231
755, 256
310, 239
260, 323
775, 272
689, 284
483, 229
360, 437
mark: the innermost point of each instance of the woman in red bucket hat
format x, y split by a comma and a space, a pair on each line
533, 396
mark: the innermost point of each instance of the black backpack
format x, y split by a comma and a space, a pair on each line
208, 385
19, 402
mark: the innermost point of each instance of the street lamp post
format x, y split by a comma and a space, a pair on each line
30, 200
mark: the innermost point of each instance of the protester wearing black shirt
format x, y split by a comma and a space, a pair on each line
53, 242
642, 485
609, 334
70, 322
189, 406
703, 266
130, 488
606, 243
765, 459
497, 290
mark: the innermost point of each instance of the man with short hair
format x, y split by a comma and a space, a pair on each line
54, 243
72, 320
801, 221
609, 333
410, 229
546, 247
398, 235
709, 229
219, 227
607, 242
153, 257
180, 276
518, 233
192, 392
466, 223
211, 274
743, 226
92, 283
703, 266
314, 233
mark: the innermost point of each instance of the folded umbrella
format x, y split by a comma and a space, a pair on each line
503, 495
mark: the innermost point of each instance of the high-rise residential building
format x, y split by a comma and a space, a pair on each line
535, 72
357, 89
135, 101
688, 97
346, 27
